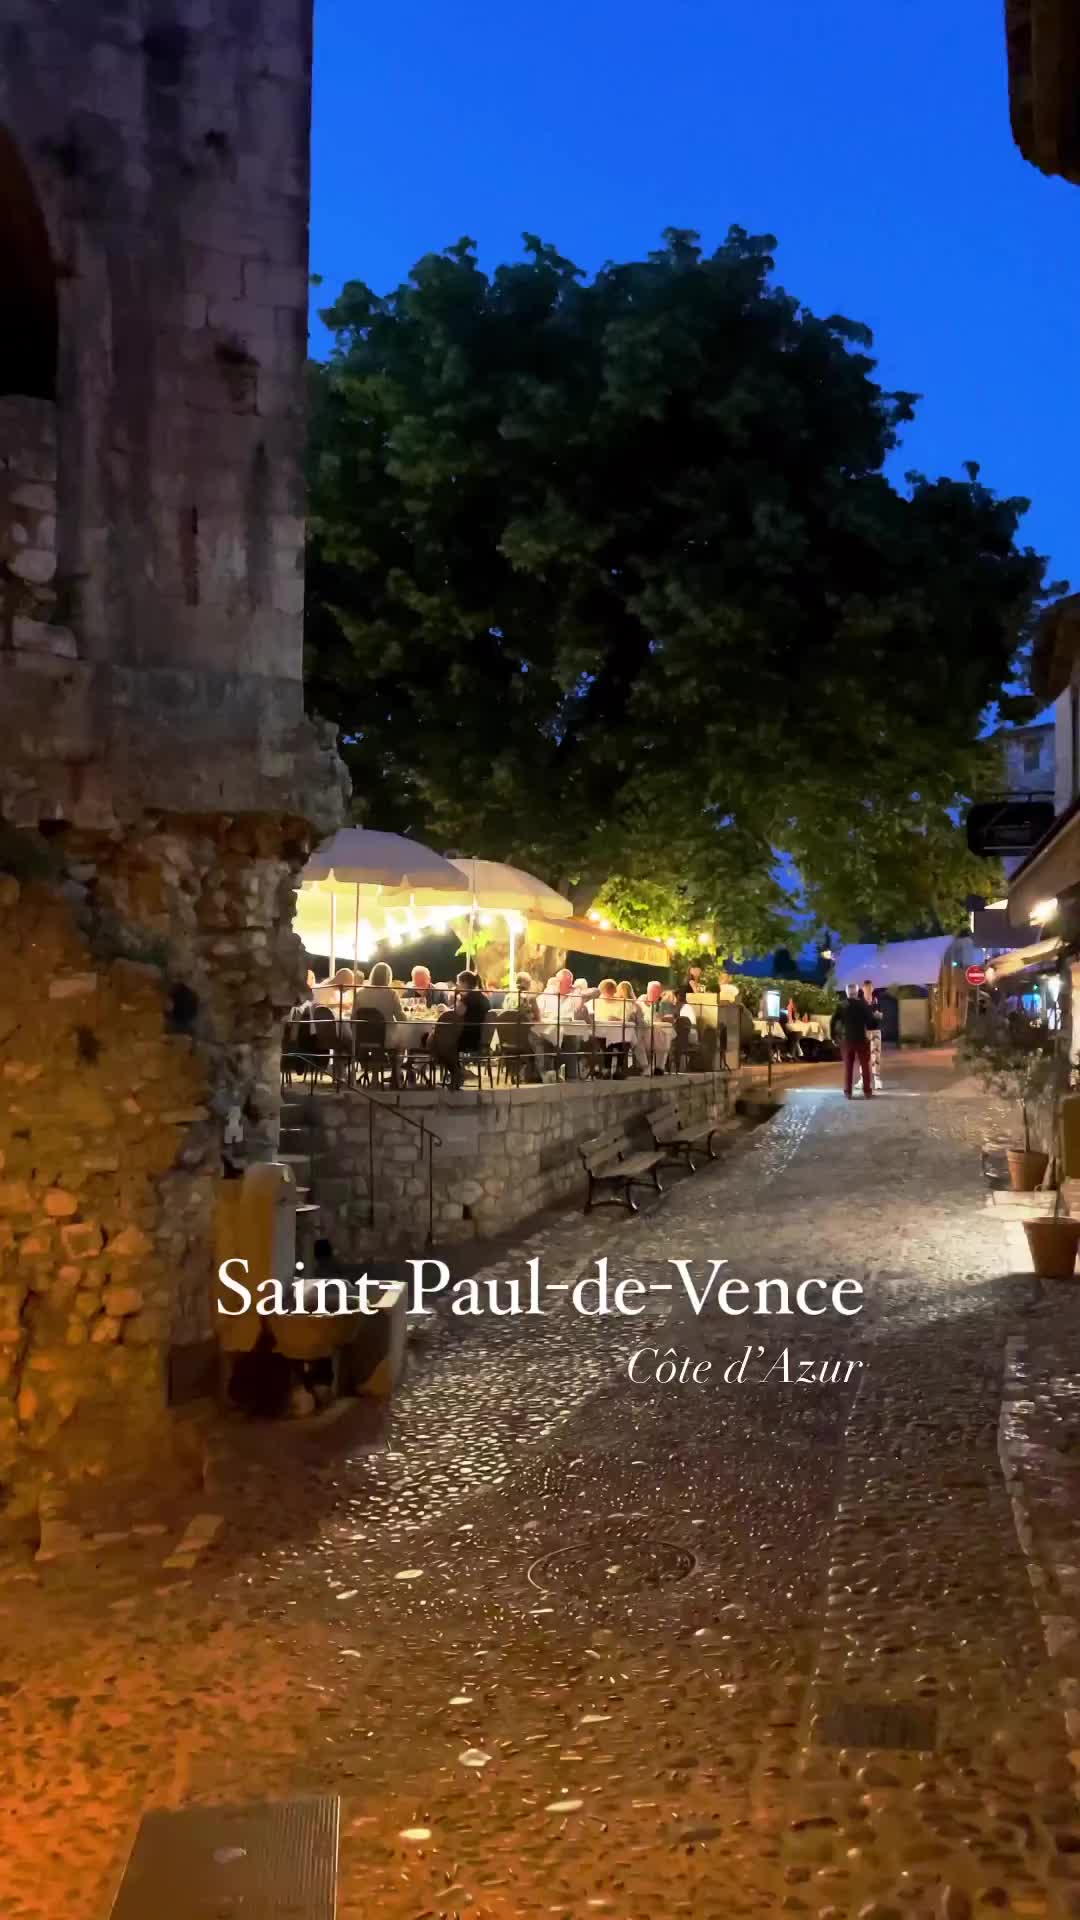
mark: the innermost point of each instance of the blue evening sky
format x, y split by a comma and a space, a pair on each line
872, 140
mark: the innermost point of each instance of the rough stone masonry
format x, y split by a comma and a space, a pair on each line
160, 785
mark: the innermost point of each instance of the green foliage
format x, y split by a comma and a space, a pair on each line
732, 918
1018, 1063
904, 870
808, 998
606, 577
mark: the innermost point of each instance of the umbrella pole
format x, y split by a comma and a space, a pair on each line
356, 932
333, 933
512, 925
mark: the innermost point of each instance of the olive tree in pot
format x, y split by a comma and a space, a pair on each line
1053, 1242
1020, 1067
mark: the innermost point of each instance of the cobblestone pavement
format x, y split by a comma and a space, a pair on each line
570, 1645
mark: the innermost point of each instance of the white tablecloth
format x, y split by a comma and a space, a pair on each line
409, 1033
579, 1029
658, 1040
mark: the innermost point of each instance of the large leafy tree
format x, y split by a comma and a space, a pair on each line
607, 577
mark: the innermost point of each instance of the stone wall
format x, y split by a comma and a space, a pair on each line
160, 784
28, 529
154, 225
144, 980
502, 1156
167, 152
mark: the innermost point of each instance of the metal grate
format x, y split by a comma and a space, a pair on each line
859, 1723
273, 1862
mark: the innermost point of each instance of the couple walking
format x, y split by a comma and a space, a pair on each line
856, 1029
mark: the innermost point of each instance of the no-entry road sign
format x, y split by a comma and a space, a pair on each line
975, 976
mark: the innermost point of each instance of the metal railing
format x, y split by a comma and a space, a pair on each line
551, 1036
314, 1064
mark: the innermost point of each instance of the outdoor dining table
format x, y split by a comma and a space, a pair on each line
414, 1031
576, 1029
808, 1029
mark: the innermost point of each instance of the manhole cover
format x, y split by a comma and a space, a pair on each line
627, 1566
854, 1723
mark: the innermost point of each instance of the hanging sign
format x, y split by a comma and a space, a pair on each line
1008, 826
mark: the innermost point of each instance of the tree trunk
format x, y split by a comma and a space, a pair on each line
581, 893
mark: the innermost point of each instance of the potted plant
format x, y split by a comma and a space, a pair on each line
1053, 1243
1020, 1067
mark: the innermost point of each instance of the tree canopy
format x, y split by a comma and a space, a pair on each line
607, 577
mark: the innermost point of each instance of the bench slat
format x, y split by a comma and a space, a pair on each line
685, 1136
630, 1163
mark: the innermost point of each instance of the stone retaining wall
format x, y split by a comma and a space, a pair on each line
502, 1156
144, 979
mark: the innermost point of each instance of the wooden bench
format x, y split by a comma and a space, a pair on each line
615, 1158
669, 1132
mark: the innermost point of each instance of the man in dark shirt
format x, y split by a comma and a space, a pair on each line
473, 1006
853, 1022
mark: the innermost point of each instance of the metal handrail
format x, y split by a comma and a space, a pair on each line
433, 1139
373, 1100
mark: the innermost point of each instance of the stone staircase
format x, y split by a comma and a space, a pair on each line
296, 1150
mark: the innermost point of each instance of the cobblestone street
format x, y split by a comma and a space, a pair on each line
571, 1645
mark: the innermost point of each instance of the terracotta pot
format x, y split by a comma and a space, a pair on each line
1025, 1169
1053, 1246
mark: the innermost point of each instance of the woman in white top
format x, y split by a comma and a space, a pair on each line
380, 994
337, 992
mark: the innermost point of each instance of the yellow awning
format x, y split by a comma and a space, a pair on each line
584, 936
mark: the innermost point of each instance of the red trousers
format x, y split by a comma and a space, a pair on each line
849, 1053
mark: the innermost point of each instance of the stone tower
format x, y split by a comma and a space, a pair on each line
159, 783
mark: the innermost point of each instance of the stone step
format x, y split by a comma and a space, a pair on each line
1004, 1200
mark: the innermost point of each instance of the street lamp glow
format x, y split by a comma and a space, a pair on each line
826, 953
1044, 910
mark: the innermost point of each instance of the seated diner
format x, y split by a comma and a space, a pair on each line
379, 994
337, 993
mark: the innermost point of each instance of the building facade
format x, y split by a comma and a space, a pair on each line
1043, 42
1029, 757
160, 785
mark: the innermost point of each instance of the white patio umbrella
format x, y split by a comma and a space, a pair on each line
498, 888
491, 886
360, 866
